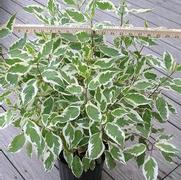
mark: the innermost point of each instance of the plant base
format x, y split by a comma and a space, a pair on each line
66, 173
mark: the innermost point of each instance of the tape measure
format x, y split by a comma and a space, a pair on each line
108, 30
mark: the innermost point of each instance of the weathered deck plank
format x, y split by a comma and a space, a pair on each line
7, 171
30, 168
175, 175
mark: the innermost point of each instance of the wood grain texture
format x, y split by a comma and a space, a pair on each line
7, 171
32, 169
175, 175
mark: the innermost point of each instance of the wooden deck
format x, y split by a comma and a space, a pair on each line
165, 13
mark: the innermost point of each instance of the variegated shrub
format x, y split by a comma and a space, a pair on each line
85, 97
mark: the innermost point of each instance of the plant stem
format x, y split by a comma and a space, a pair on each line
141, 49
122, 12
158, 86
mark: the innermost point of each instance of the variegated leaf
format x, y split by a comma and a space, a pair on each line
69, 133
76, 166
136, 150
110, 162
29, 91
95, 146
166, 147
93, 112
5, 119
169, 61
70, 113
54, 143
75, 15
53, 77
150, 169
19, 68
47, 105
7, 29
74, 89
162, 108
17, 143
105, 5
116, 153
114, 132
32, 133
137, 99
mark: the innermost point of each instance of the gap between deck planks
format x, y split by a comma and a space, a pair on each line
7, 170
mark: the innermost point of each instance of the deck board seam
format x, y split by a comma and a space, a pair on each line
166, 7
157, 14
171, 171
13, 165
104, 170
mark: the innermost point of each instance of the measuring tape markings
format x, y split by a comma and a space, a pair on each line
108, 30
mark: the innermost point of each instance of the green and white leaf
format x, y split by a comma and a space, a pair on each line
17, 143
8, 27
169, 61
105, 5
110, 162
166, 147
54, 143
106, 77
116, 153
29, 91
75, 15
162, 108
109, 51
70, 2
48, 160
75, 89
53, 77
77, 137
52, 7
136, 150
93, 112
69, 133
104, 63
12, 78
176, 85
19, 44
70, 113
100, 99
150, 169
47, 105
5, 119
114, 132
32, 133
76, 166
95, 146
68, 156
94, 84
143, 85
139, 11
34, 8
47, 48
119, 112
19, 68
137, 99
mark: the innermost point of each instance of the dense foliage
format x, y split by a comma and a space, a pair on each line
80, 95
